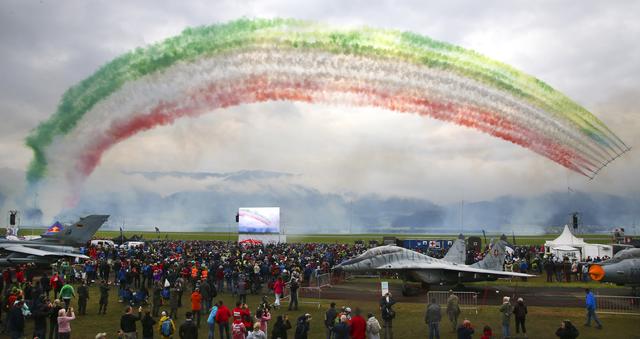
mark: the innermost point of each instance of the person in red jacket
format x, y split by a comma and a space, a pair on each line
278, 289
222, 319
358, 326
196, 305
237, 312
245, 313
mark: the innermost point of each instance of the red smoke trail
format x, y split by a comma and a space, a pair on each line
262, 88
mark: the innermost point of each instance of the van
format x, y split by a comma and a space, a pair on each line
102, 243
132, 244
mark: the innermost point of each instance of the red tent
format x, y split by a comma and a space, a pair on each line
251, 242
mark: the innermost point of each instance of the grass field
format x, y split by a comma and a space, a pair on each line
332, 238
341, 238
409, 323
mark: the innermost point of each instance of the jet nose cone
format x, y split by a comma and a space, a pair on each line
596, 272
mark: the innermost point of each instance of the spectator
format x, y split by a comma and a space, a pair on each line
432, 318
66, 293
329, 319
64, 323
278, 289
15, 320
211, 321
166, 327
294, 284
505, 312
453, 310
386, 308
128, 323
196, 305
40, 315
591, 309
238, 330
487, 333
257, 332
465, 331
341, 330
188, 330
222, 319
263, 316
281, 327
53, 317
567, 330
104, 297
303, 326
147, 325
520, 312
83, 296
373, 327
358, 326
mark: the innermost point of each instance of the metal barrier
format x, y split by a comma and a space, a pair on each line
466, 300
609, 304
323, 280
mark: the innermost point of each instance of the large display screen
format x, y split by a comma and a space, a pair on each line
259, 220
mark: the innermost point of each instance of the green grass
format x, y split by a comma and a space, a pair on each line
541, 322
332, 238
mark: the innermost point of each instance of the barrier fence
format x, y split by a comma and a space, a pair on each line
609, 304
466, 300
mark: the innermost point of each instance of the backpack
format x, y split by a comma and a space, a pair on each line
166, 329
165, 293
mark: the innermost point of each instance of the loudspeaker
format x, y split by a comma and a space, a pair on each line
575, 220
12, 218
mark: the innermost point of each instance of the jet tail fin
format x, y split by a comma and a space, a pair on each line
79, 233
494, 259
457, 252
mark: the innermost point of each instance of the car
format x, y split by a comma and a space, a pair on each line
102, 243
132, 244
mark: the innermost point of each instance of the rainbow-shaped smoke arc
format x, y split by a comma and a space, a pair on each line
251, 61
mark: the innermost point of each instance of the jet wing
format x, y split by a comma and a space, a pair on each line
413, 265
41, 253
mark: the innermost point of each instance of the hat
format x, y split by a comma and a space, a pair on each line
348, 309
520, 300
505, 299
101, 335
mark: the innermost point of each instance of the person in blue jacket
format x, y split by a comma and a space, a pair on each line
591, 309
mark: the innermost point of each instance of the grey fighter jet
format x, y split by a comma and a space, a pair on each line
414, 266
59, 241
622, 269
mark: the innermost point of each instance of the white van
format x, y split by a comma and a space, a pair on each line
129, 244
103, 243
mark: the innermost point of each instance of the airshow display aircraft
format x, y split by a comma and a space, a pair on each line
450, 270
58, 241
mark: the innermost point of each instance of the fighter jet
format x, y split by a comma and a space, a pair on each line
58, 241
414, 266
622, 269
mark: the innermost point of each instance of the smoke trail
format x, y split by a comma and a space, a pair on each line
249, 61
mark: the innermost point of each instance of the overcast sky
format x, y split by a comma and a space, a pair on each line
586, 49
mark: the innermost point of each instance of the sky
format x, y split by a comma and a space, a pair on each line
587, 50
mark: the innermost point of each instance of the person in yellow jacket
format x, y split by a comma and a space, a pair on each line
166, 326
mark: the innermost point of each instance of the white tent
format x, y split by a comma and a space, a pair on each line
565, 239
571, 246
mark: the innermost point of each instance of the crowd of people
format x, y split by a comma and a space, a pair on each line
154, 279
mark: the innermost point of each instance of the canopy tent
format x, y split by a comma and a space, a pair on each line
565, 239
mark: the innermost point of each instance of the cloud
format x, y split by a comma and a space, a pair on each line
589, 52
